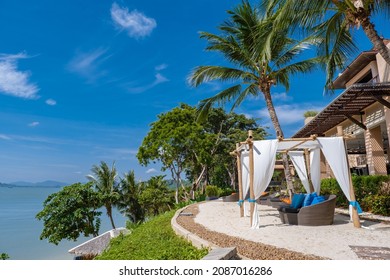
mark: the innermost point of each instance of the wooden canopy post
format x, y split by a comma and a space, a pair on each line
308, 170
239, 173
355, 215
251, 175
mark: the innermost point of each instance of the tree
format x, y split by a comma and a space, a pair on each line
194, 149
129, 198
170, 141
333, 21
70, 212
259, 59
156, 198
4, 256
104, 182
213, 163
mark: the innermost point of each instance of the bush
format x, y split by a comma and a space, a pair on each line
224, 191
377, 204
331, 186
211, 191
372, 192
153, 240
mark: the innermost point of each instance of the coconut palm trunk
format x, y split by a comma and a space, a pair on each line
279, 133
375, 39
109, 213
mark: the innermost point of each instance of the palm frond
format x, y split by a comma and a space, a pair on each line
202, 74
220, 98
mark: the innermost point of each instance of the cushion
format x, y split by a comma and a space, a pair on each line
288, 209
286, 200
317, 200
309, 198
297, 200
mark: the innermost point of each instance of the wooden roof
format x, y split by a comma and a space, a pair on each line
348, 104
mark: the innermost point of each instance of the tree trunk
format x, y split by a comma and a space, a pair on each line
279, 133
376, 40
109, 213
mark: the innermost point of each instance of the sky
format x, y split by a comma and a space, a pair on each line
81, 81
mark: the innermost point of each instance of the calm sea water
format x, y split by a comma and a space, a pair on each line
20, 230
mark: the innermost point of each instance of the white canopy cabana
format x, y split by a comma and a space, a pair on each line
256, 161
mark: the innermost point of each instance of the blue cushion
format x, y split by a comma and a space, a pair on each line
309, 198
317, 199
297, 200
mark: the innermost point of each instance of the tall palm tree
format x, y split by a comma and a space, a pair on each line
129, 201
104, 180
259, 59
333, 20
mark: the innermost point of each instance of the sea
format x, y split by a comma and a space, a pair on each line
20, 230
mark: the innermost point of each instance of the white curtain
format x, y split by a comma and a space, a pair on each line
315, 169
298, 160
334, 152
264, 153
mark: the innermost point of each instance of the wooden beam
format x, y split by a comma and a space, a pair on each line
355, 121
382, 101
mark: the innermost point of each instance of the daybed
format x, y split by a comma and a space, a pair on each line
319, 214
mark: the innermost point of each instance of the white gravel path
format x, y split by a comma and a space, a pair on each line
325, 241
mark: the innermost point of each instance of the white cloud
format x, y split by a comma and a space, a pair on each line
51, 102
13, 81
87, 64
161, 67
158, 79
33, 124
4, 137
282, 96
289, 113
135, 23
151, 170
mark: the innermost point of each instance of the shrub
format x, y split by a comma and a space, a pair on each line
372, 192
377, 204
331, 186
224, 191
153, 240
211, 191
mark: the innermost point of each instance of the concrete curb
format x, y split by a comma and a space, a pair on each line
216, 252
193, 238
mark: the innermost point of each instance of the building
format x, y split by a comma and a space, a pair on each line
362, 112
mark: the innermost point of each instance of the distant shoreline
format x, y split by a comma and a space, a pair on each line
16, 186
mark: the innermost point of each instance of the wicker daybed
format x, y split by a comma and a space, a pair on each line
319, 214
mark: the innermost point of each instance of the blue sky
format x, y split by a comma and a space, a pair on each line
80, 81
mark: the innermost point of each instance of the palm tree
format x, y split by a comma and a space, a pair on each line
333, 20
260, 59
104, 180
129, 201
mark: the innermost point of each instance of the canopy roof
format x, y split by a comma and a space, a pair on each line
348, 104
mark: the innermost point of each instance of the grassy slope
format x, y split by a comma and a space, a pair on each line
153, 240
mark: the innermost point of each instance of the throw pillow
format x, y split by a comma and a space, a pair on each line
309, 198
317, 200
297, 200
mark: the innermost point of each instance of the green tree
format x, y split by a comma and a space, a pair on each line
224, 130
70, 212
333, 21
4, 256
156, 197
170, 140
104, 181
259, 59
129, 198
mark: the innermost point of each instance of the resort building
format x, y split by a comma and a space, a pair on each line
361, 112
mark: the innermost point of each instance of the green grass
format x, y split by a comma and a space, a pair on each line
153, 240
